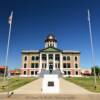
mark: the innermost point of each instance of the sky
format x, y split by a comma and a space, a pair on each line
33, 20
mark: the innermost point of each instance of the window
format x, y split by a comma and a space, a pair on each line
76, 65
36, 72
76, 72
75, 58
42, 65
33, 58
37, 58
51, 56
24, 72
32, 72
68, 65
64, 58
25, 65
65, 73
43, 56
64, 65
25, 58
58, 65
68, 72
45, 65
36, 65
32, 65
68, 58
57, 57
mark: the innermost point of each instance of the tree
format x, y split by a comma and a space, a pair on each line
97, 70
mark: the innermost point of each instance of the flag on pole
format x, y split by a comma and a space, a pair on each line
10, 18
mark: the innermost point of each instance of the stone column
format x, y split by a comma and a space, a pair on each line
47, 68
61, 64
40, 66
54, 62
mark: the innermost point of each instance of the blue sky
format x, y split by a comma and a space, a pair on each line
34, 19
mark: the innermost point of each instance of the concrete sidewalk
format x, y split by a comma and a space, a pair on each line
31, 88
66, 87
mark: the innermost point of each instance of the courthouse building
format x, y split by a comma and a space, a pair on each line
50, 58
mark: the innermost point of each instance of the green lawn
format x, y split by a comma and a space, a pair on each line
86, 82
14, 83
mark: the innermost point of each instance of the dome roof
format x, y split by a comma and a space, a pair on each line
50, 37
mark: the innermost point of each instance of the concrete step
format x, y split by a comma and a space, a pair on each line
58, 72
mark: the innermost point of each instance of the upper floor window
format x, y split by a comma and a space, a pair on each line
68, 65
37, 57
25, 65
36, 65
68, 58
64, 58
75, 58
76, 65
32, 65
64, 65
50, 56
33, 58
43, 56
57, 57
25, 58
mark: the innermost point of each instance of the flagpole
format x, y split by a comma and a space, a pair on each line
93, 56
7, 52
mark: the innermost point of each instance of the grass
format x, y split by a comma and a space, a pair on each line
86, 82
14, 83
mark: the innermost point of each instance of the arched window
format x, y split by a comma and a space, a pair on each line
50, 56
37, 57
65, 73
43, 56
32, 65
76, 65
64, 58
68, 72
24, 72
25, 65
64, 65
33, 58
25, 58
75, 58
68, 58
32, 72
76, 72
68, 65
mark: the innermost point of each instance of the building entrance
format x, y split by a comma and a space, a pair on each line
50, 68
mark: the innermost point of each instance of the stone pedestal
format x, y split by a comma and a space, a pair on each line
50, 84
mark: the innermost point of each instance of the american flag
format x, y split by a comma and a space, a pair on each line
10, 18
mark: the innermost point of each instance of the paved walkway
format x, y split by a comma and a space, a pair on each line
66, 87
31, 88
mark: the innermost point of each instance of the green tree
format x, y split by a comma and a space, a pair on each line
97, 70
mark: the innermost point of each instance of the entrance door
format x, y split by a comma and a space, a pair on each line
50, 68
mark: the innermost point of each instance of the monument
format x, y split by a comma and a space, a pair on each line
50, 84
